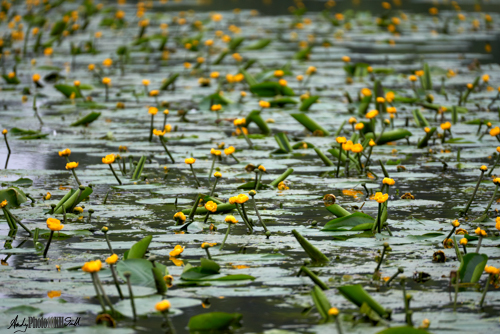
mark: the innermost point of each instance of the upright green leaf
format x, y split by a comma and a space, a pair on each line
283, 143
86, 120
315, 254
307, 103
354, 219
138, 169
310, 124
68, 90
321, 302
357, 295
138, 250
472, 267
255, 117
213, 321
13, 195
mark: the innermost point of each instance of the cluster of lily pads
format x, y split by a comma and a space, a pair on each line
289, 164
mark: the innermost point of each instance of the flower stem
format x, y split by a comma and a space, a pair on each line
235, 159
109, 243
151, 128
48, 244
97, 293
375, 273
245, 213
98, 281
337, 324
225, 237
486, 286
211, 168
213, 188
249, 142
379, 218
400, 271
6, 142
492, 199
457, 277
494, 166
258, 214
166, 149
244, 220
116, 176
165, 120
340, 159
479, 243
473, 194
194, 174
406, 301
208, 253
15, 219
206, 217
76, 177
115, 278
195, 206
131, 296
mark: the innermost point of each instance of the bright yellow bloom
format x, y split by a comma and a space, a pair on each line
463, 241
180, 216
230, 150
230, 219
159, 133
486, 78
154, 92
311, 70
495, 131
5, 131
262, 168
208, 244
357, 148
445, 126
359, 126
241, 198
216, 107
112, 259
211, 206
65, 153
106, 81
381, 198
279, 73
152, 110
108, 159
341, 140
333, 311
372, 143
36, 77
146, 82
347, 146
217, 175
412, 78
54, 224
232, 200
107, 62
71, 165
366, 92
264, 104
4, 203
78, 209
346, 59
388, 181
92, 266
484, 168
189, 161
177, 251
283, 82
213, 151
380, 99
47, 196
162, 306
497, 225
352, 120
372, 114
